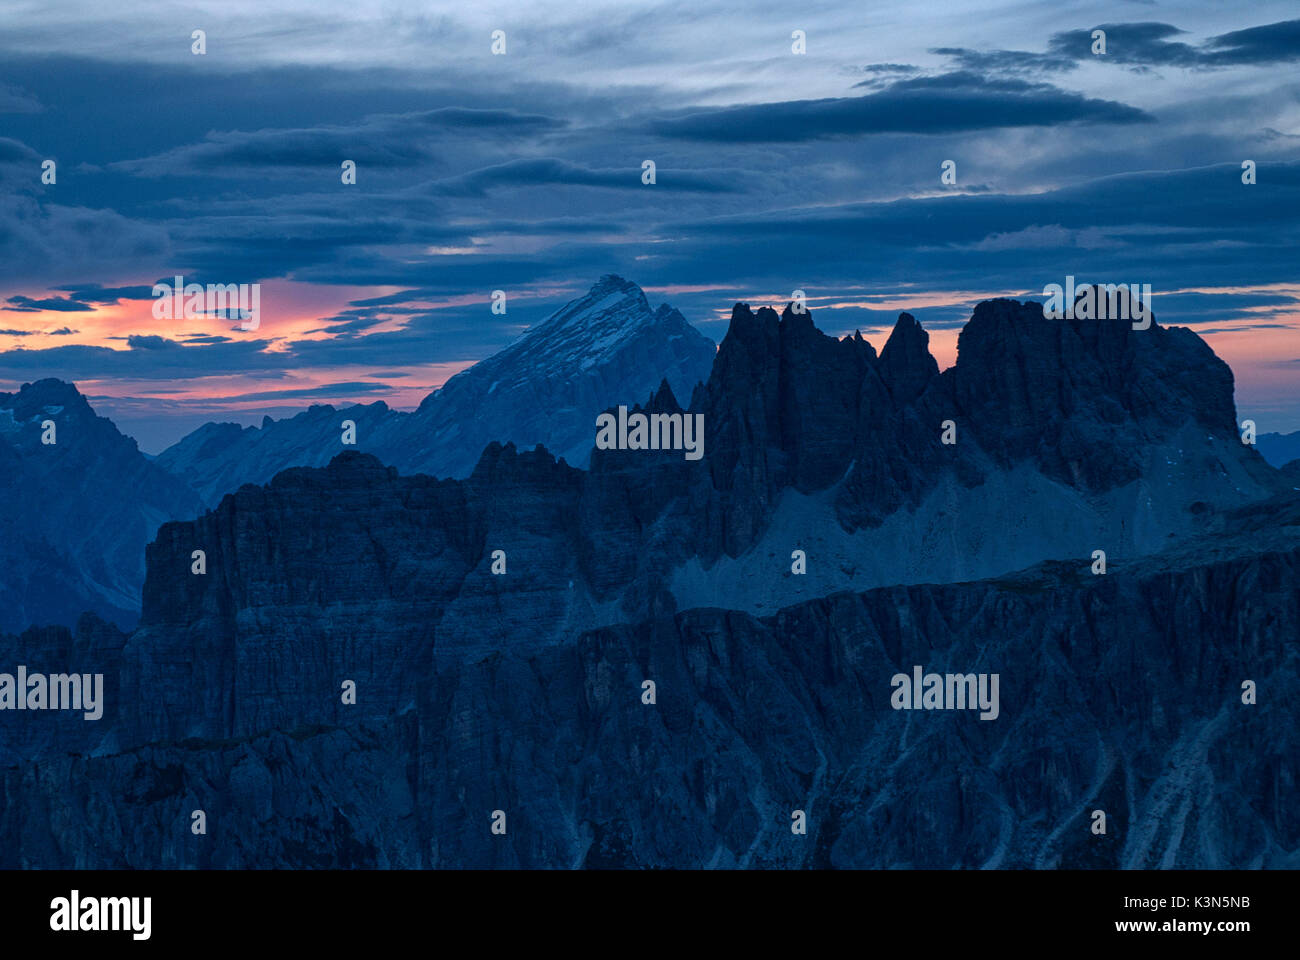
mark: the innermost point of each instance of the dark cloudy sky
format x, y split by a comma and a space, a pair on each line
522, 172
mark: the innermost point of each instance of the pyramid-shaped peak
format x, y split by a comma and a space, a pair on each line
907, 337
664, 400
610, 282
907, 365
609, 291
611, 288
612, 302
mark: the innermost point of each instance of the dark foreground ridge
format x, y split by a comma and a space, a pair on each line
1120, 693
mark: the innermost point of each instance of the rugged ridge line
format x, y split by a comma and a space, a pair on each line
545, 387
76, 514
1141, 670
807, 447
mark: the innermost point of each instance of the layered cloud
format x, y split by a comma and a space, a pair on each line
950, 103
1153, 45
774, 171
387, 140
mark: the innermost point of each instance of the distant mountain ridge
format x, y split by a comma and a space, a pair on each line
1071, 436
1279, 449
75, 515
545, 387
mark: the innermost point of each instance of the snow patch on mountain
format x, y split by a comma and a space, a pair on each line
605, 348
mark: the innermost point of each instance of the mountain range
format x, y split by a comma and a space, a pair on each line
546, 387
1070, 437
1279, 449
76, 511
855, 515
76, 515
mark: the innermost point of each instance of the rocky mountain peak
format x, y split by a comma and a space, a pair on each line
45, 396
905, 362
611, 283
610, 298
663, 400
83, 550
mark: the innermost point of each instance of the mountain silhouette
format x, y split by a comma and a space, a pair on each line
75, 513
545, 387
498, 631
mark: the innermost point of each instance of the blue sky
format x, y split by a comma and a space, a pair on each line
522, 172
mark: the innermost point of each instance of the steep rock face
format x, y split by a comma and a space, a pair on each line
1086, 396
1112, 696
522, 691
401, 563
545, 388
1069, 436
1120, 692
75, 514
811, 443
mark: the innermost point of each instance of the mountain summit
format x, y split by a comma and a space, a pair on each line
78, 503
546, 387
